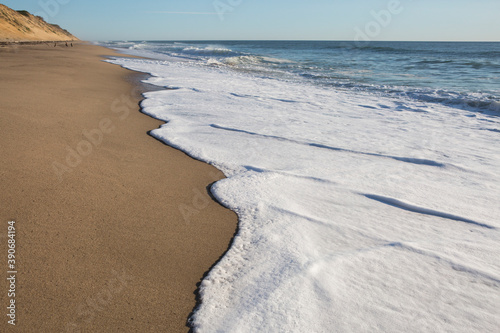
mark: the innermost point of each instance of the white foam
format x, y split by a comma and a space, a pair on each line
357, 213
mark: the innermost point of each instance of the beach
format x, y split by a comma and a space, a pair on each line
114, 229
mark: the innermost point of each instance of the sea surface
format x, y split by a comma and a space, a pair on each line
366, 178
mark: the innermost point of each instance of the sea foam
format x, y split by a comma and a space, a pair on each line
357, 212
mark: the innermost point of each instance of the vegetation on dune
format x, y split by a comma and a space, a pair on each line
23, 12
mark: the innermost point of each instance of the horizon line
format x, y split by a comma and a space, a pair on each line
300, 40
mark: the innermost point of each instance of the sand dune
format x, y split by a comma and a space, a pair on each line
23, 26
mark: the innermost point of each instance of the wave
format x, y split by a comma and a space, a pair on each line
183, 49
383, 49
473, 64
415, 51
207, 51
478, 102
253, 60
432, 62
358, 45
467, 101
137, 47
492, 54
480, 65
353, 73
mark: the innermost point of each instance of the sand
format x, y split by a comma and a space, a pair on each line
114, 228
23, 26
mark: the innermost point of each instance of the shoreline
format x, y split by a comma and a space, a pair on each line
115, 229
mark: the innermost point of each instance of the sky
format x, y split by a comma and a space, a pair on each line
392, 20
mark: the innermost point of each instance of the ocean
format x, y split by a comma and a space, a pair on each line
366, 179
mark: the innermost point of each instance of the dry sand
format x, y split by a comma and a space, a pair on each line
102, 243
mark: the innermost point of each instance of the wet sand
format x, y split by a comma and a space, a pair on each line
114, 229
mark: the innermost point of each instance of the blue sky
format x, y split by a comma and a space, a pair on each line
426, 20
